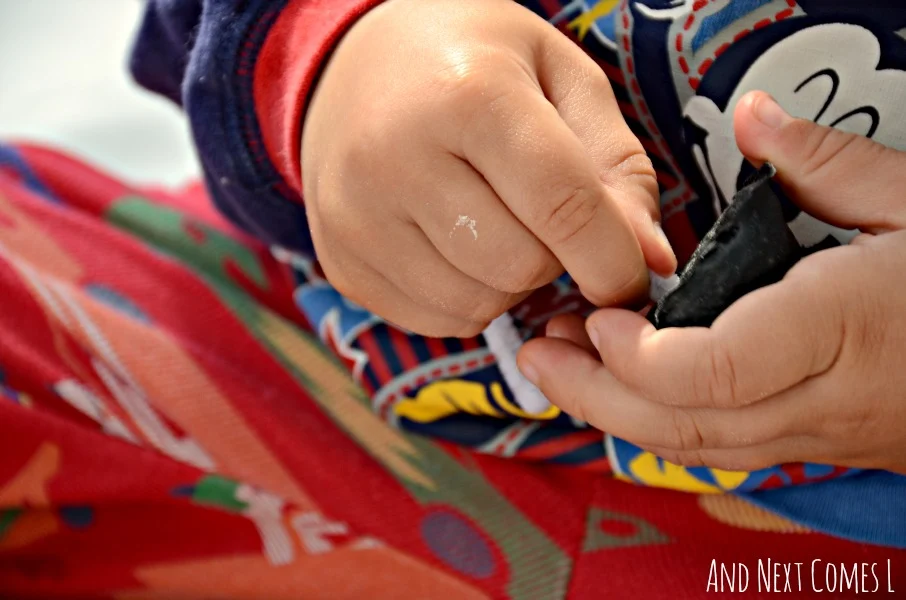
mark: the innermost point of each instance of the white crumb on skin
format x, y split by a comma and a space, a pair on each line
465, 221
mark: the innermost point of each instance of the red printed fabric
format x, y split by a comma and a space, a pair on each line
171, 429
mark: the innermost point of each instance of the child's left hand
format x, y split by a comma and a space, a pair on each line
811, 369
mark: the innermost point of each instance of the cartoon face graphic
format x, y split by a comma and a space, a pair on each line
827, 73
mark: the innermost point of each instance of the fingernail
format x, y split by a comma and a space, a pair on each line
662, 238
529, 370
769, 113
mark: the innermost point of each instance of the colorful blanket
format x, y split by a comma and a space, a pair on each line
172, 429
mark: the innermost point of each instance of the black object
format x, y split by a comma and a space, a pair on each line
750, 246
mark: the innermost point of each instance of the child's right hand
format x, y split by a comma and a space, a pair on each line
459, 154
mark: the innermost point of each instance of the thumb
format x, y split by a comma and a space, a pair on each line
845, 179
584, 99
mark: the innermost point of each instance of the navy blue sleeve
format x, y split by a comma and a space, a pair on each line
163, 44
213, 57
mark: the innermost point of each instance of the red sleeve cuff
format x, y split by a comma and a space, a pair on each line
296, 48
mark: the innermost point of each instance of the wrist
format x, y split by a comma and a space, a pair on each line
291, 60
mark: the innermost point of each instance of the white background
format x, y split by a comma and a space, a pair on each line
64, 82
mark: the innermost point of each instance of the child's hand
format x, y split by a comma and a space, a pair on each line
810, 369
459, 154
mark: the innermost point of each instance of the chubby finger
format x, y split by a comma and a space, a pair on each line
843, 178
582, 387
749, 458
362, 284
538, 167
582, 95
474, 231
572, 329
766, 342
414, 265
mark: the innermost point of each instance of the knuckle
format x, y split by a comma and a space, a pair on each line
635, 169
624, 285
464, 76
690, 459
864, 331
475, 103
687, 435
820, 147
364, 155
486, 307
863, 338
717, 459
526, 271
839, 319
468, 89
337, 223
714, 377
674, 457
568, 217
638, 164
752, 462
856, 423
574, 405
579, 401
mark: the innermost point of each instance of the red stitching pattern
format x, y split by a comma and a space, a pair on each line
676, 203
511, 435
706, 64
245, 65
656, 145
450, 370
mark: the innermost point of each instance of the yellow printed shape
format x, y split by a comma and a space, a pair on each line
650, 470
444, 398
586, 20
729, 480
551, 412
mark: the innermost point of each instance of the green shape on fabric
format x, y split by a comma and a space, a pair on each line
642, 533
214, 490
538, 568
164, 229
7, 518
169, 230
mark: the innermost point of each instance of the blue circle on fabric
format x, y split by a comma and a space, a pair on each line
458, 544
